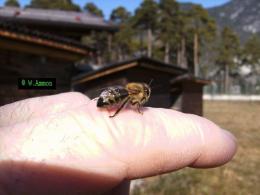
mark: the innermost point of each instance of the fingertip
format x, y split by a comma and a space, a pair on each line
212, 145
219, 146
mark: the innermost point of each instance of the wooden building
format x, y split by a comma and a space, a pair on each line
172, 86
40, 43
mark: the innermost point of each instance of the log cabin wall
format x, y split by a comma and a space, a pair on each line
15, 64
192, 101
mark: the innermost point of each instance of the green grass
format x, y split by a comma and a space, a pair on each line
241, 176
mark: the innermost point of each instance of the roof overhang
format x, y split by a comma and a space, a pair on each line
189, 77
38, 45
124, 65
69, 20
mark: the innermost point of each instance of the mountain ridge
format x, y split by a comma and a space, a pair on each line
241, 15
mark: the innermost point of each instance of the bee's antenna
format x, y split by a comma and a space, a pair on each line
150, 83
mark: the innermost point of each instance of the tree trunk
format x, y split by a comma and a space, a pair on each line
196, 54
184, 63
149, 42
167, 53
178, 56
99, 59
226, 86
109, 43
120, 56
141, 41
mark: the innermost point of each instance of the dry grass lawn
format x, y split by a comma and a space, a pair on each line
239, 177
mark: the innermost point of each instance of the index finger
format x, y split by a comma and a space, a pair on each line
165, 140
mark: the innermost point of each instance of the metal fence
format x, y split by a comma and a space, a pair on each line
231, 97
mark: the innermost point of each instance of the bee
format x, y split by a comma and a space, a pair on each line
136, 94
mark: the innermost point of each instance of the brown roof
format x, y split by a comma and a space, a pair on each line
120, 66
189, 77
20, 33
68, 19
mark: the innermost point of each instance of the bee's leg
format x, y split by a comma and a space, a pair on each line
138, 106
95, 99
120, 108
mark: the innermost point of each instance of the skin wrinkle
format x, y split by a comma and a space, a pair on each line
125, 163
163, 116
69, 137
15, 149
91, 114
77, 122
143, 128
90, 133
202, 137
114, 126
132, 127
143, 132
168, 129
157, 164
35, 124
118, 129
16, 109
111, 128
12, 113
122, 158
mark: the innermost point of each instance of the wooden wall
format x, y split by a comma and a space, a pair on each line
192, 101
16, 64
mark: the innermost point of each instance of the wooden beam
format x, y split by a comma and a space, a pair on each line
38, 49
40, 41
104, 73
160, 68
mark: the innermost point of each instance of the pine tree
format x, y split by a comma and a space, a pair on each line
57, 4
100, 39
251, 51
169, 26
93, 9
203, 28
120, 15
228, 51
123, 39
12, 3
145, 19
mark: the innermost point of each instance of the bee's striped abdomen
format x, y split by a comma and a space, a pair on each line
111, 96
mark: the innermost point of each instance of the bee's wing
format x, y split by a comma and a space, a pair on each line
106, 88
123, 92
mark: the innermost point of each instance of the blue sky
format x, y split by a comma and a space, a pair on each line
108, 5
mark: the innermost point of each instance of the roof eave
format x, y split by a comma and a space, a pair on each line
120, 66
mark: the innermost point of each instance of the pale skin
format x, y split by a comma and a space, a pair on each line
64, 144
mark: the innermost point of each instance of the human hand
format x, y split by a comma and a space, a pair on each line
64, 144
